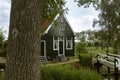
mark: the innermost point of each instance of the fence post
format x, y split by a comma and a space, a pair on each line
108, 68
115, 70
98, 64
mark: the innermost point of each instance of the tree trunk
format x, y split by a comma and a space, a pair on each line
23, 54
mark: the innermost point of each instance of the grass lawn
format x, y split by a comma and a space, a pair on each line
72, 71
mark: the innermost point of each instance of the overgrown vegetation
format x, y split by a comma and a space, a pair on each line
81, 48
68, 72
72, 71
86, 58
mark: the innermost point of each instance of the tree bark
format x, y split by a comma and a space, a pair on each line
23, 53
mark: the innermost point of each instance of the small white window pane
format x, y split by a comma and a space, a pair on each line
55, 43
69, 44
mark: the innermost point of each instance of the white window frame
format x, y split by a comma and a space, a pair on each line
55, 41
71, 43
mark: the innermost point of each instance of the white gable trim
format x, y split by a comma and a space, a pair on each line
51, 24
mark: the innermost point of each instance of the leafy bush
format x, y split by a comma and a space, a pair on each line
81, 47
68, 72
85, 59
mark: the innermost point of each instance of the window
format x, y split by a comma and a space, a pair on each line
69, 43
55, 43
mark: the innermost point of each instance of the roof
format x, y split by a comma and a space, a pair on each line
45, 25
48, 24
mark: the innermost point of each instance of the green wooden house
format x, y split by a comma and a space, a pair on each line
57, 38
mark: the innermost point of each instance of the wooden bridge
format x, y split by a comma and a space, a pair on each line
112, 61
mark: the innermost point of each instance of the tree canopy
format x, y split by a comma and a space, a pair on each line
52, 7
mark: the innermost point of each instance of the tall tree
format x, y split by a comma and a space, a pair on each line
23, 50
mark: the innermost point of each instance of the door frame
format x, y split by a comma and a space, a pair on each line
61, 40
44, 54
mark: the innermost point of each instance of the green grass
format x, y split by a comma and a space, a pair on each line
95, 50
68, 72
1, 76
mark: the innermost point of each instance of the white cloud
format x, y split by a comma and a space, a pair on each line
4, 14
4, 4
80, 18
81, 23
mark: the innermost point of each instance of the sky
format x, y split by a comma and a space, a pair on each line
80, 18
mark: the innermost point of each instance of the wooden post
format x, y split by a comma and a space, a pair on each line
98, 64
108, 68
116, 70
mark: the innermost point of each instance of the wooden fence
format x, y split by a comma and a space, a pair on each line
112, 61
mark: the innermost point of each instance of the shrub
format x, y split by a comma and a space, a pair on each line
85, 60
68, 72
81, 48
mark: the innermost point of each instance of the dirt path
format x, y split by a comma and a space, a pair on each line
60, 63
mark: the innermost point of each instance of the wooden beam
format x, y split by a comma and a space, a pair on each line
106, 63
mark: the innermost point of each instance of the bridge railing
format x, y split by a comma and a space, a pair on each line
109, 60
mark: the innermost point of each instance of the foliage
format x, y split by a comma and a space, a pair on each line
68, 72
81, 36
51, 8
80, 47
84, 36
90, 37
109, 19
2, 49
90, 44
96, 44
86, 58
